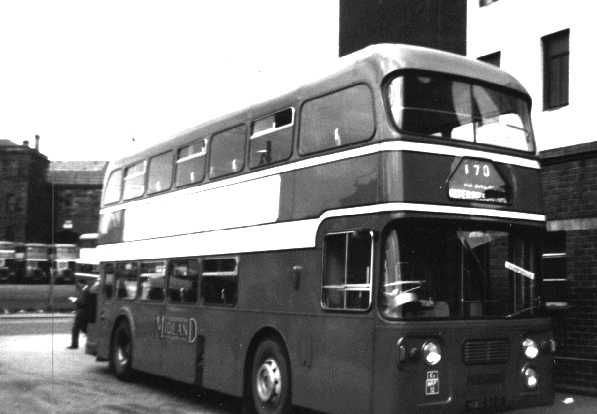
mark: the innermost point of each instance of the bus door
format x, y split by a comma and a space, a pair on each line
182, 345
148, 314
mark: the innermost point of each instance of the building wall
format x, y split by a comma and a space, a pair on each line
24, 197
76, 211
515, 28
432, 23
570, 192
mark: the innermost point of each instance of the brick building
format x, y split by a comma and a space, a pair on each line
570, 260
24, 196
76, 188
43, 201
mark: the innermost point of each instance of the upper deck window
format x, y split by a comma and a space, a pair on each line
227, 152
160, 173
271, 138
340, 118
440, 106
190, 163
134, 181
113, 187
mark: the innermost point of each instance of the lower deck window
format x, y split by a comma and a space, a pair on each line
219, 283
126, 282
184, 276
348, 261
152, 280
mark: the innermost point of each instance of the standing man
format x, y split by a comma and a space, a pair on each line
80, 322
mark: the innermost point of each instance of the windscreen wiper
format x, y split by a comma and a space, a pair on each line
520, 312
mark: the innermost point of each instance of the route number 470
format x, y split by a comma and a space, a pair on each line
477, 169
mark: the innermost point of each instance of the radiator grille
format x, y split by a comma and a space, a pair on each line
485, 351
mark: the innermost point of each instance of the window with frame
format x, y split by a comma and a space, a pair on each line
159, 175
341, 118
219, 281
152, 280
184, 281
126, 280
113, 187
555, 69
134, 181
492, 58
227, 152
190, 163
553, 267
109, 277
271, 139
348, 264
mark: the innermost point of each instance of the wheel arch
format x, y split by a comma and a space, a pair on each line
126, 316
262, 334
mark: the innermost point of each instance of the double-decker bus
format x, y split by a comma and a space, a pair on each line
366, 243
8, 269
64, 258
37, 263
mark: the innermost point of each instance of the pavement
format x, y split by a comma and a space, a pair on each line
564, 403
36, 315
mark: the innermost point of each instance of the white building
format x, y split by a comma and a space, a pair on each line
549, 46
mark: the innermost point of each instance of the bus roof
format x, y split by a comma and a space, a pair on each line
371, 63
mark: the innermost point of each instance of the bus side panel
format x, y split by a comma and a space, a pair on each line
342, 184
332, 359
219, 327
330, 352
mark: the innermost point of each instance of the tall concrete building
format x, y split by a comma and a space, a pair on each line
548, 46
440, 24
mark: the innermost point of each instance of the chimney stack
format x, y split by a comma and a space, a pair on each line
37, 143
26, 143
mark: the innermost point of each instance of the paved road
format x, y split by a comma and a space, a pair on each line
35, 324
39, 375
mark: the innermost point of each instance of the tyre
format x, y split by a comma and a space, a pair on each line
270, 379
121, 352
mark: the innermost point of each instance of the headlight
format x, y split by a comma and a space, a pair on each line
530, 377
530, 349
432, 353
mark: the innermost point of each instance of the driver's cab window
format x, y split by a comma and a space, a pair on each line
412, 286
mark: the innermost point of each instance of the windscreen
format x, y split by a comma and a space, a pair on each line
459, 272
445, 107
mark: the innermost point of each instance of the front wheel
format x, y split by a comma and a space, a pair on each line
121, 352
270, 379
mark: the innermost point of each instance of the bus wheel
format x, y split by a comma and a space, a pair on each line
121, 352
270, 379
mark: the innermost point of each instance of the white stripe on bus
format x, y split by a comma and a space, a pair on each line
384, 146
276, 236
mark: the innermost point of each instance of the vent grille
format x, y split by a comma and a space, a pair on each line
485, 351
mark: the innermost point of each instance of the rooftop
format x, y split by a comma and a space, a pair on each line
76, 172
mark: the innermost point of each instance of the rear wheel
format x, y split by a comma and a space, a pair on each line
270, 379
121, 352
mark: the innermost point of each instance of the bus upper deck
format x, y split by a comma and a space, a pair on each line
358, 137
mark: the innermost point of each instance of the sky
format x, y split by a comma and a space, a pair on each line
100, 79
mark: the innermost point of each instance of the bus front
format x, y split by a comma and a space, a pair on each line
461, 318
